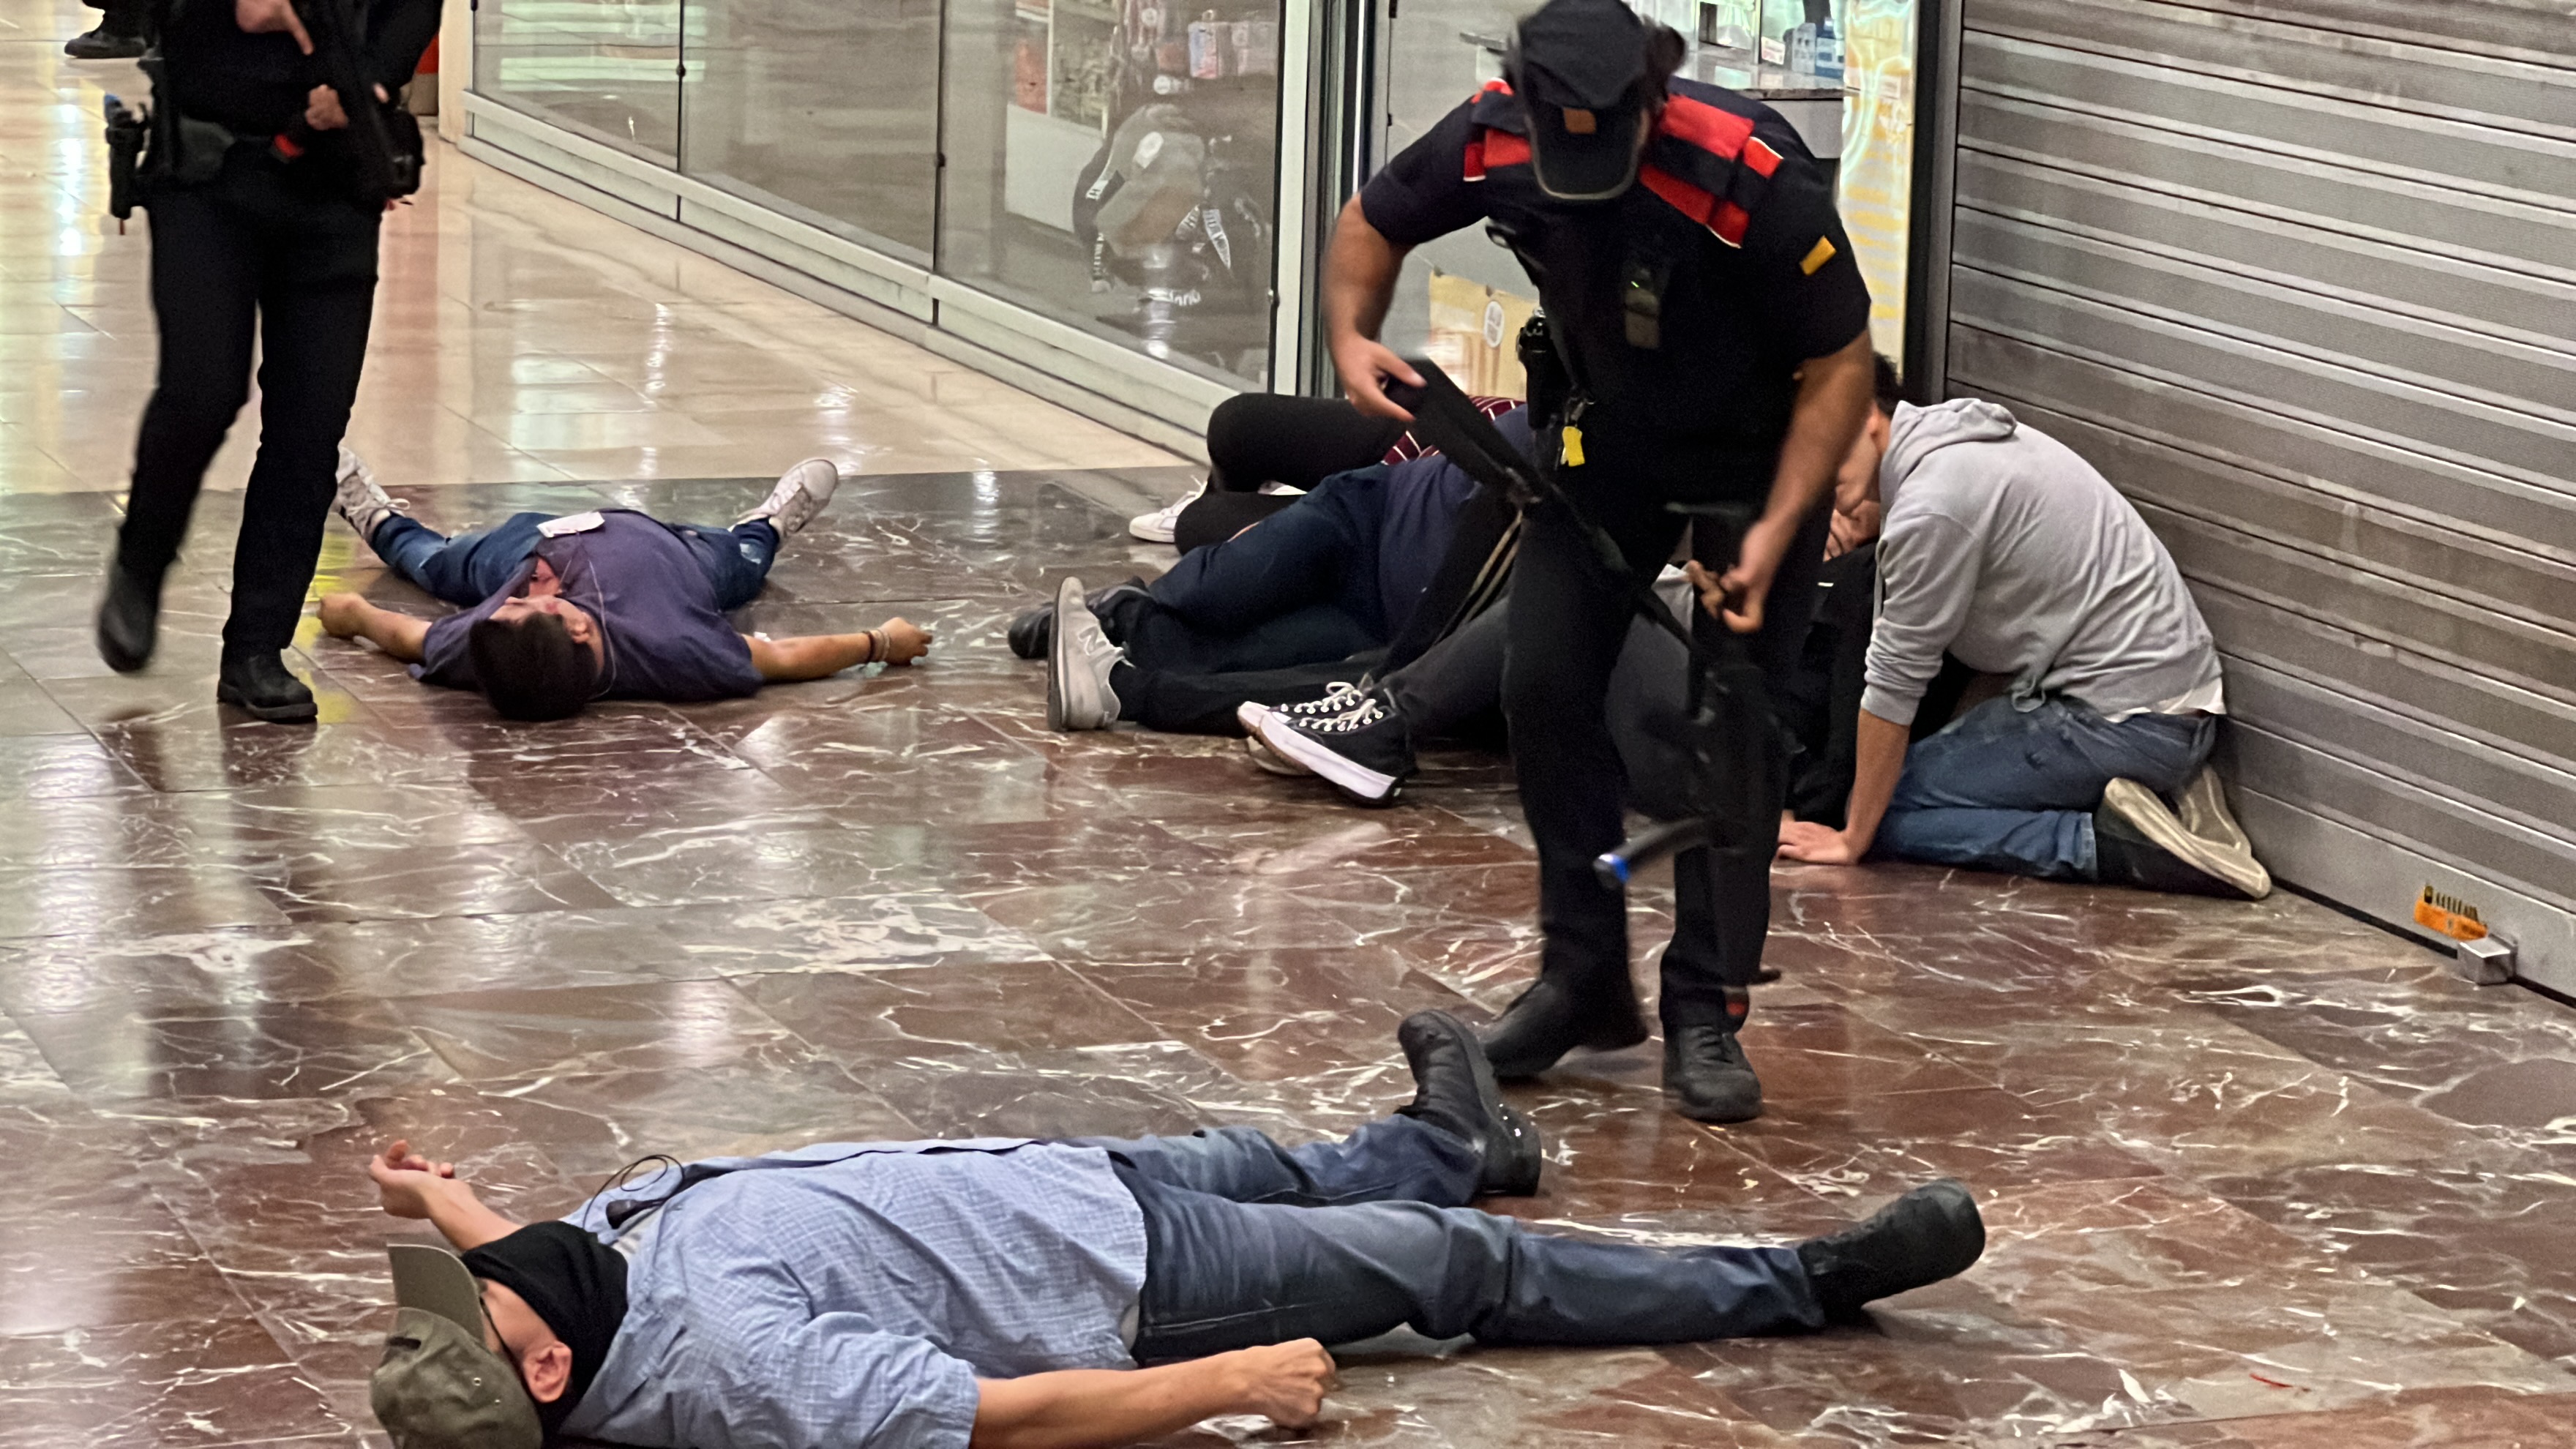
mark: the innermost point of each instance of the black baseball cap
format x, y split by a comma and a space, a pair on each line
1578, 67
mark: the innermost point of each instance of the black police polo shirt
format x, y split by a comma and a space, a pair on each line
1702, 411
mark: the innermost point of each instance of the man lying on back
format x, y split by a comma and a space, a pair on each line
1002, 1293
610, 604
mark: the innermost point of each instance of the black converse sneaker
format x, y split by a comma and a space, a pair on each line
1365, 752
1339, 698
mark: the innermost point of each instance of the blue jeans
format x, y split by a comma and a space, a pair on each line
471, 567
1251, 1243
1298, 588
2015, 790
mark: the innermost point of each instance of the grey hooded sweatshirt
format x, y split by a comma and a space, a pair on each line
2001, 546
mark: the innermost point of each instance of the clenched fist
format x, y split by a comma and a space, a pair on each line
1286, 1381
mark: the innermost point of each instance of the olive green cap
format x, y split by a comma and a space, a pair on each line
438, 1386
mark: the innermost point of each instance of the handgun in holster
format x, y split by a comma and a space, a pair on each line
129, 131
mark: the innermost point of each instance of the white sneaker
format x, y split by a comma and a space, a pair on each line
360, 500
1079, 658
1158, 526
801, 493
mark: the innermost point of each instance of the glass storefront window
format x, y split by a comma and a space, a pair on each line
609, 69
1113, 164
825, 110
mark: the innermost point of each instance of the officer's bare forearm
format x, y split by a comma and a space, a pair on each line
1878, 759
1833, 401
1360, 270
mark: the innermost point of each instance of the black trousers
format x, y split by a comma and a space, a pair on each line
1256, 438
1569, 622
252, 249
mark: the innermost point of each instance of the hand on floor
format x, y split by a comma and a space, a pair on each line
1286, 1382
1814, 844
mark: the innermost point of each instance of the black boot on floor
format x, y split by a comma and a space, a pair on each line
1030, 631
1454, 1091
101, 43
1555, 1016
1705, 1070
129, 619
1931, 1233
259, 686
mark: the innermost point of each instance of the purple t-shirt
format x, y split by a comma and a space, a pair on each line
666, 640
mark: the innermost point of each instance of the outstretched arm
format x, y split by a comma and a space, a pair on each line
346, 616
1081, 1408
412, 1186
818, 656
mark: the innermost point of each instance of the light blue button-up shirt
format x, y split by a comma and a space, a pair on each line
855, 1303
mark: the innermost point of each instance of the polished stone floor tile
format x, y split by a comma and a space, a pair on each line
2258, 1176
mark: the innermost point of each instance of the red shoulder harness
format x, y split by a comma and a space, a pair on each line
1703, 160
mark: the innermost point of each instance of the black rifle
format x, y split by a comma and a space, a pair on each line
1726, 730
385, 164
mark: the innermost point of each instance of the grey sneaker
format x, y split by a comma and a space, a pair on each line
361, 500
2140, 842
2224, 850
1079, 658
800, 496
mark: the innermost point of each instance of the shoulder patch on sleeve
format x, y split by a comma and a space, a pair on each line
1817, 255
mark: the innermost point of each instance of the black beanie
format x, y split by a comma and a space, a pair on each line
577, 1286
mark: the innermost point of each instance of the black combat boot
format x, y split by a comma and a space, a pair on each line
259, 685
1704, 1064
1931, 1233
129, 618
1454, 1091
1563, 1010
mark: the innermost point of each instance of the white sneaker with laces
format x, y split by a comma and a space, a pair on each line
360, 500
1079, 658
800, 496
1157, 526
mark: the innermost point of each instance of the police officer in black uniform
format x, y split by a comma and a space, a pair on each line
1715, 334
255, 225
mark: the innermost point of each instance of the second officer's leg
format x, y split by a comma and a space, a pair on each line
1722, 903
317, 291
1569, 619
205, 299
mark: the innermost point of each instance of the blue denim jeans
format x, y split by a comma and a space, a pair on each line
1250, 1243
1298, 588
2015, 790
471, 567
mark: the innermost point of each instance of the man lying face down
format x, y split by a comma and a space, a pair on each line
606, 604
1002, 1293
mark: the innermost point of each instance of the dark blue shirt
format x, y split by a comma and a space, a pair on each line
1423, 496
666, 639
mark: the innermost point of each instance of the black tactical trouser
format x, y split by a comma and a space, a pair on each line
251, 248
1569, 620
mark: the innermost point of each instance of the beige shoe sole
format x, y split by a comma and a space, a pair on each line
2146, 814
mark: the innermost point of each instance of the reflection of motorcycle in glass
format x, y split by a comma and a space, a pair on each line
1183, 219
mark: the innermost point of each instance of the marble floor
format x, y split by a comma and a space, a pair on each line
2258, 1175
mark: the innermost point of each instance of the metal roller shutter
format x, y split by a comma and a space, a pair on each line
2299, 276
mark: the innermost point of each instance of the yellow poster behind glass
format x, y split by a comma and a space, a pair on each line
1877, 180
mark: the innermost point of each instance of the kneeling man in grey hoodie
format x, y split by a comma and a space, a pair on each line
2004, 549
